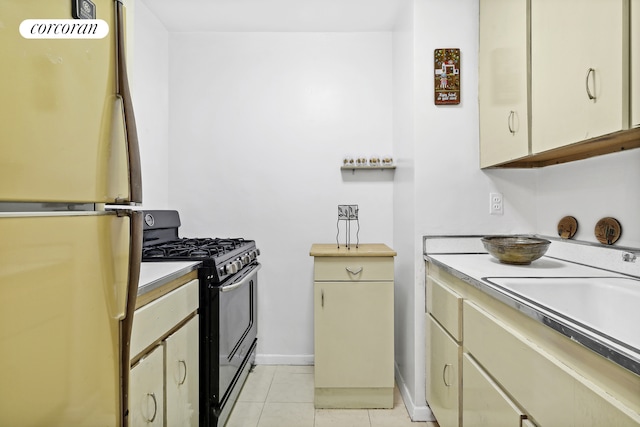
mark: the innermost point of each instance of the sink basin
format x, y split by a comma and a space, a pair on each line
608, 305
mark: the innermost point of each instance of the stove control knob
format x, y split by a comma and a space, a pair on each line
238, 264
231, 268
246, 259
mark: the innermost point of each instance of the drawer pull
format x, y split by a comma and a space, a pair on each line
445, 376
354, 272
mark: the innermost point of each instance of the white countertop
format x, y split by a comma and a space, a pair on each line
465, 259
156, 274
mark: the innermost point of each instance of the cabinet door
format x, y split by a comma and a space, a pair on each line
485, 404
146, 390
580, 70
182, 375
503, 89
353, 326
443, 375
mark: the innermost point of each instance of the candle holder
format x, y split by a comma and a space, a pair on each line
348, 213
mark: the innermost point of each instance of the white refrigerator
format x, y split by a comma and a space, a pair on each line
70, 232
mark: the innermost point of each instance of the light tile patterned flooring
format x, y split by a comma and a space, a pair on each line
282, 396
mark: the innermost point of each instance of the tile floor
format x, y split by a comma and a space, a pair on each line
282, 396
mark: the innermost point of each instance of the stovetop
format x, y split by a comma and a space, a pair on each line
193, 248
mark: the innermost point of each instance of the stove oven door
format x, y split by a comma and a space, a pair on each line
238, 331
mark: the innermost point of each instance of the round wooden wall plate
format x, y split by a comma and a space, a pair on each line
567, 227
608, 230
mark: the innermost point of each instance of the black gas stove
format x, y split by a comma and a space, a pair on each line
228, 306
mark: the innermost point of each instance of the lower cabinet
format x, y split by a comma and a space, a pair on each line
509, 370
443, 370
353, 326
164, 382
551, 392
164, 377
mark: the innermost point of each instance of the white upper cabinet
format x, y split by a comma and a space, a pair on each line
503, 80
635, 63
579, 70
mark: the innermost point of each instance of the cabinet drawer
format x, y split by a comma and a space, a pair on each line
445, 306
485, 404
529, 373
353, 269
156, 319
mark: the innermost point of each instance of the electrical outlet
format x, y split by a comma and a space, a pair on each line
495, 204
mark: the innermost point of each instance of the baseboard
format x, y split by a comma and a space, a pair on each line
417, 413
284, 359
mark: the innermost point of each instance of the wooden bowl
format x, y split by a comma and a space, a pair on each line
520, 250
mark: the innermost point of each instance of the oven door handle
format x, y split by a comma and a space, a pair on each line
241, 282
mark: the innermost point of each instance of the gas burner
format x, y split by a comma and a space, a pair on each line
153, 252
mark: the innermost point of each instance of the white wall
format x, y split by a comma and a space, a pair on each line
589, 190
259, 124
404, 203
150, 92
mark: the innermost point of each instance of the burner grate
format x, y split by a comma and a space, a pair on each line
196, 248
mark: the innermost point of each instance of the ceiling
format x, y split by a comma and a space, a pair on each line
277, 15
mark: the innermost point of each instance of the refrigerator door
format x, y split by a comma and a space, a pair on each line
63, 293
68, 130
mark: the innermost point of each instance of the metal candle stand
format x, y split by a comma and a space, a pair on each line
348, 213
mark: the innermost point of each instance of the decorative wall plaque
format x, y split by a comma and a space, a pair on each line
446, 64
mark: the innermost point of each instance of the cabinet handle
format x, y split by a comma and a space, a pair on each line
322, 298
354, 272
155, 408
590, 71
184, 378
510, 122
444, 374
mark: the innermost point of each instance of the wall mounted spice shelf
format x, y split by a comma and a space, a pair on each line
353, 169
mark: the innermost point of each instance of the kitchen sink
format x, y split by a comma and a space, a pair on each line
606, 305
